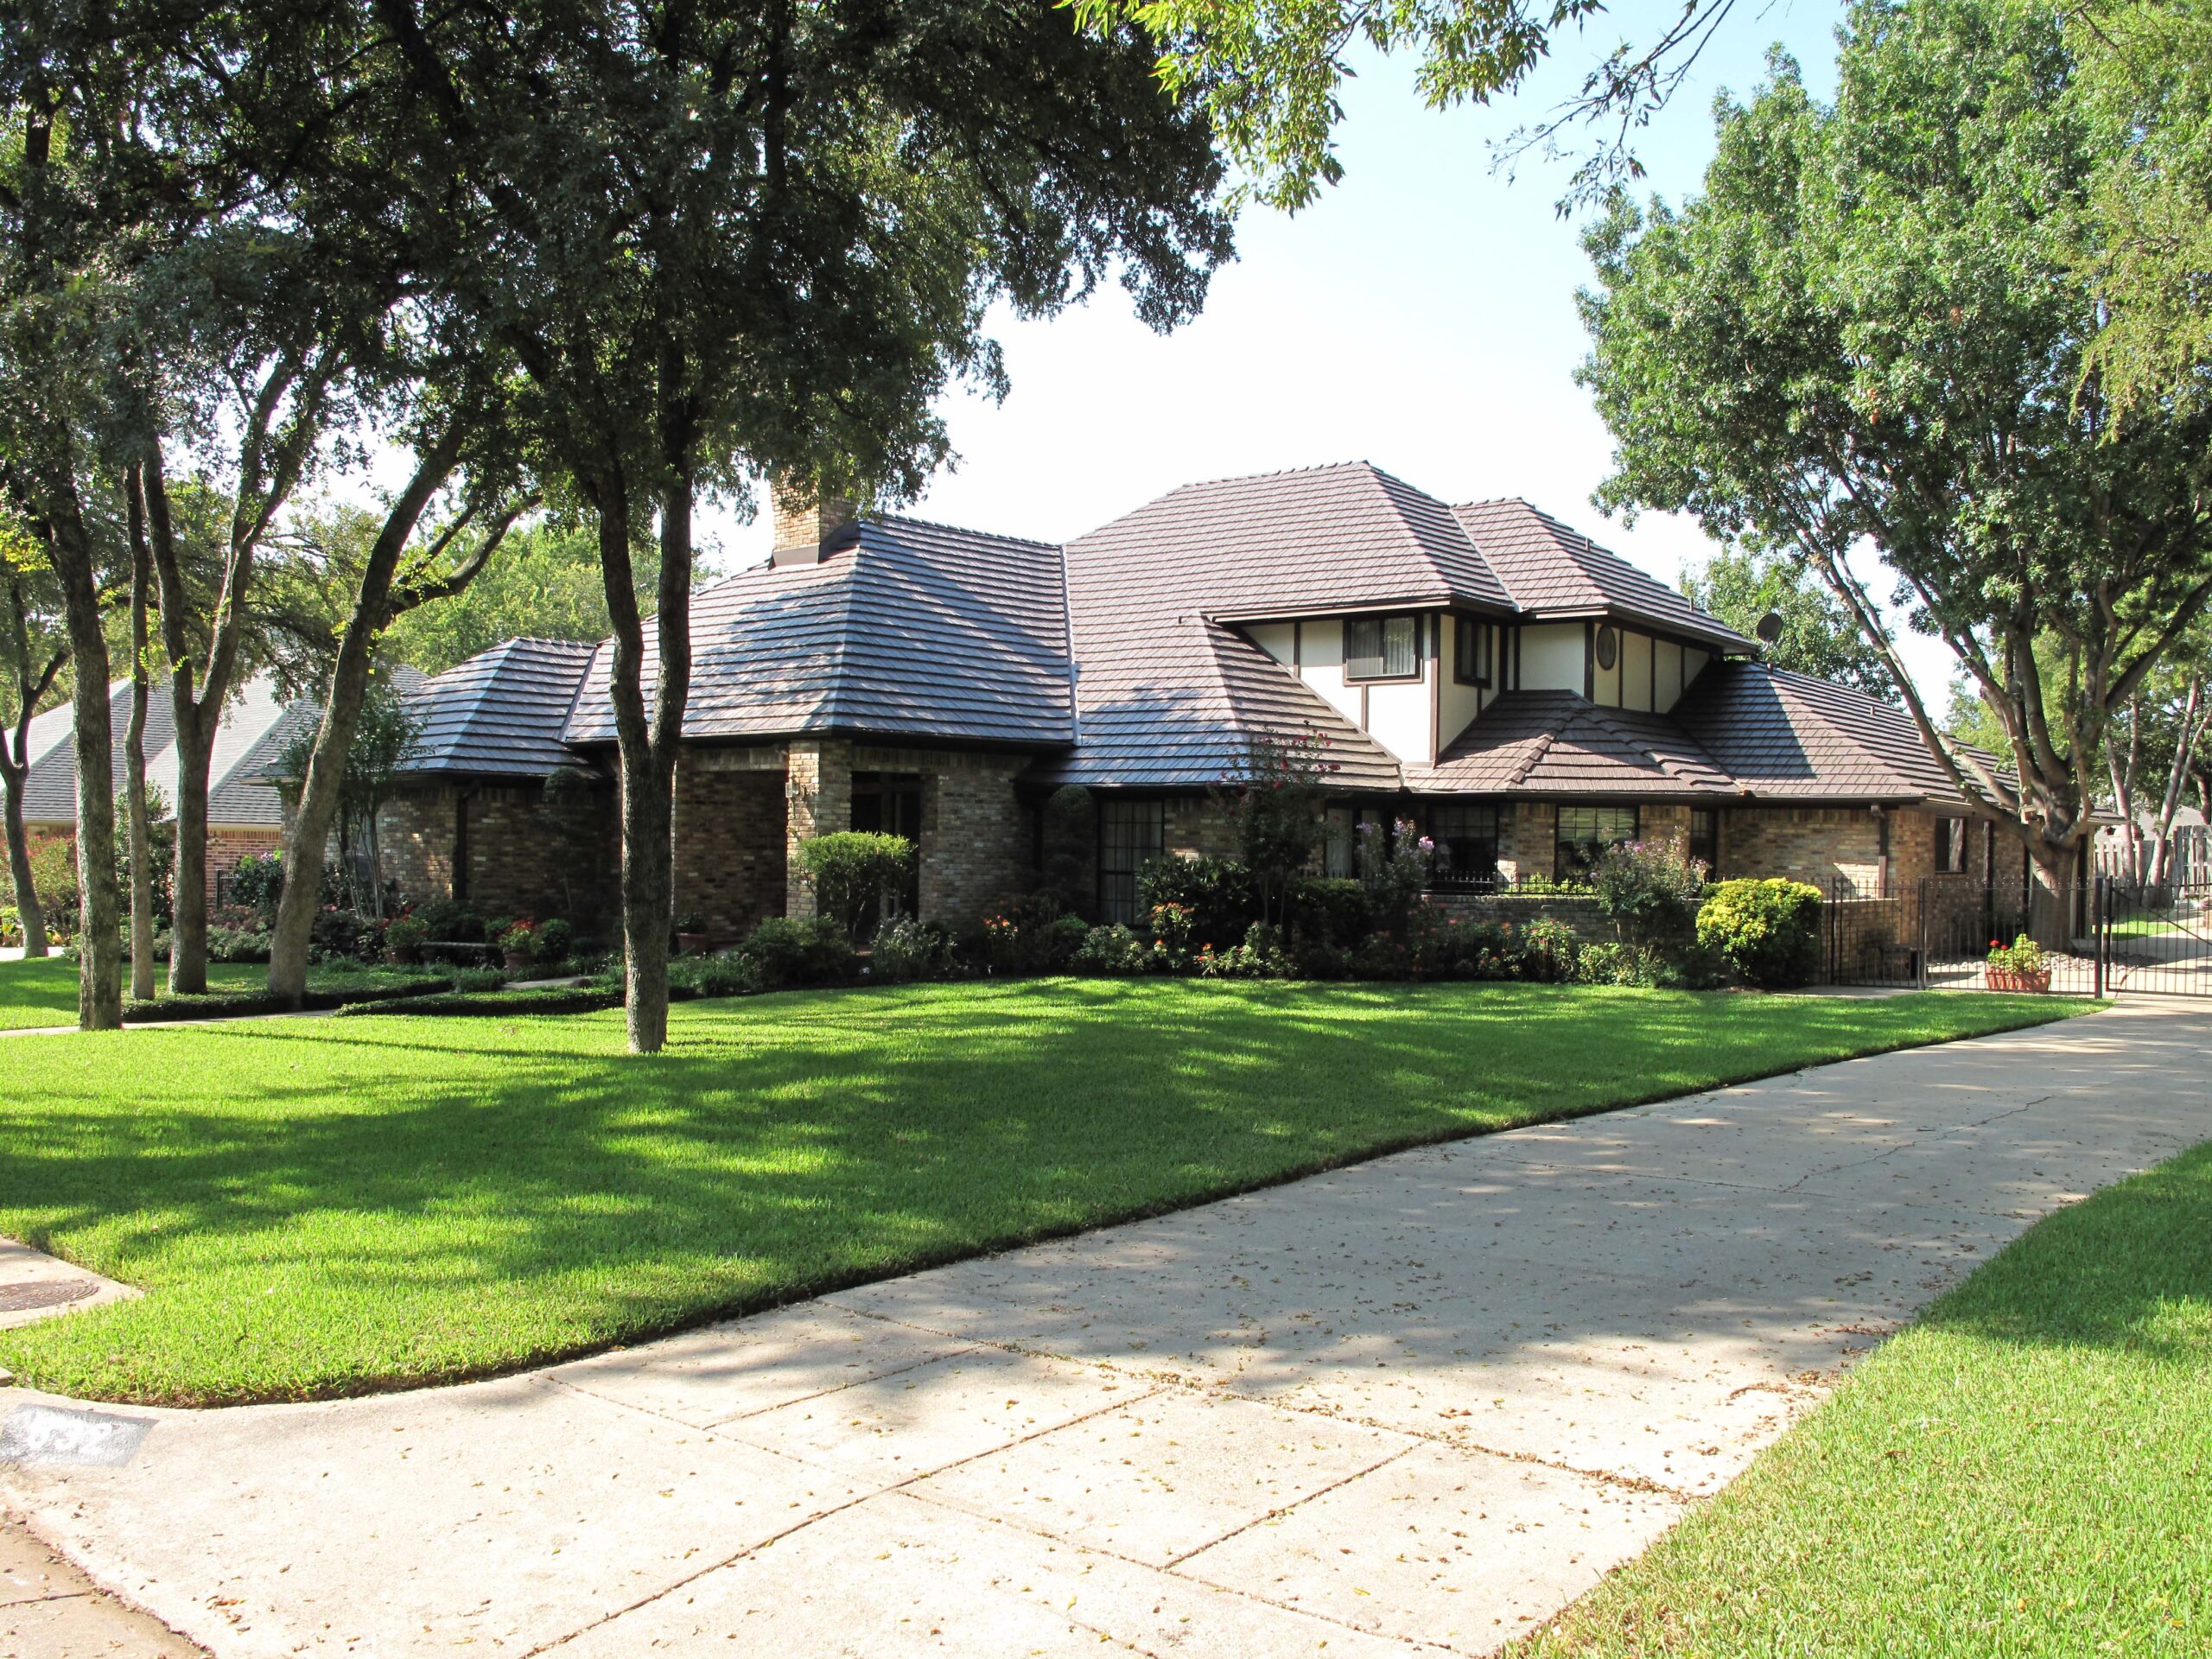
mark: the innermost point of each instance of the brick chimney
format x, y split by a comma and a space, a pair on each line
804, 521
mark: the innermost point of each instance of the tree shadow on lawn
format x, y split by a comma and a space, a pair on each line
328, 1207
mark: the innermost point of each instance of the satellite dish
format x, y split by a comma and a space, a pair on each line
1770, 628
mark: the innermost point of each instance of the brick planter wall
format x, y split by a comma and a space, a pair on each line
1589, 923
730, 866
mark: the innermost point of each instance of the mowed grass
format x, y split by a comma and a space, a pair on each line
317, 1207
44, 992
2025, 1472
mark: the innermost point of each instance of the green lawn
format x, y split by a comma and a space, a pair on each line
319, 1207
44, 993
2027, 1471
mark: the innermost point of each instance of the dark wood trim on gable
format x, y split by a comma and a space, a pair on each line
1590, 661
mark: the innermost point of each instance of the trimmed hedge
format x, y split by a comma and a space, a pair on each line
1767, 931
246, 1005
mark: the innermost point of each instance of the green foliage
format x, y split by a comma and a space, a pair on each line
1767, 932
1651, 891
405, 934
1035, 940
1071, 847
552, 941
783, 952
853, 869
543, 583
1394, 864
2023, 956
53, 878
1742, 586
256, 882
730, 973
1871, 328
1219, 893
1330, 911
386, 737
1274, 805
1117, 952
905, 948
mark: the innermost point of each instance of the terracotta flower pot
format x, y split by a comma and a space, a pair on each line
2014, 979
518, 961
692, 944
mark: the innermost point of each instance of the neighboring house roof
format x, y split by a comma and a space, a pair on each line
907, 630
1551, 743
1549, 567
1342, 537
236, 796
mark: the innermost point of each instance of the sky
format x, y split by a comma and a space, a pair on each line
1420, 316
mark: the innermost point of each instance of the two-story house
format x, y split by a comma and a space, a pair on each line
1521, 693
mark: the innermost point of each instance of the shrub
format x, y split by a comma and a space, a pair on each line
452, 921
1218, 893
238, 944
555, 940
403, 935
907, 948
730, 973
1261, 956
1548, 951
1394, 866
257, 882
1031, 942
1651, 891
334, 936
519, 937
1070, 846
11, 925
473, 980
785, 952
1768, 932
1327, 911
853, 868
1118, 951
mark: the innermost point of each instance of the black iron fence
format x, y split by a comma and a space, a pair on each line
2096, 936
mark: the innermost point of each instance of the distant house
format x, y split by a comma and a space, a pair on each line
1523, 695
245, 814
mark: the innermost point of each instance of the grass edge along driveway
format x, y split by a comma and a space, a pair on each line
320, 1208
2026, 1470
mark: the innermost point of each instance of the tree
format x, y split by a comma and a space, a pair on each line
1870, 329
385, 738
2147, 81
1270, 71
545, 585
735, 240
34, 652
1818, 637
2151, 755
1274, 802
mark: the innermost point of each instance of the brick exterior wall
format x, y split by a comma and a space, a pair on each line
818, 776
226, 846
528, 853
977, 848
1819, 844
416, 828
1582, 915
730, 857
1198, 826
1527, 839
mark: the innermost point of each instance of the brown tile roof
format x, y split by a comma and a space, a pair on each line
909, 630
1549, 567
1557, 743
1346, 537
1785, 736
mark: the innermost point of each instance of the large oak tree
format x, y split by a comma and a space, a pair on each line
1866, 337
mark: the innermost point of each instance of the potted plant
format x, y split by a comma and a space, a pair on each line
691, 936
519, 944
403, 937
2020, 966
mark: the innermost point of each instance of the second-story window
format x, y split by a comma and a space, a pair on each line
1469, 651
1383, 648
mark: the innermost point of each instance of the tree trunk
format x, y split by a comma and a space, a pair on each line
134, 761
195, 743
29, 912
99, 952
309, 832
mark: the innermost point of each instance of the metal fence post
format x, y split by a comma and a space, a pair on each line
1923, 934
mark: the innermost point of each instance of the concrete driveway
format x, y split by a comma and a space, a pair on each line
1407, 1407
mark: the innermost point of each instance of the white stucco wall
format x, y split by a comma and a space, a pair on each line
1551, 657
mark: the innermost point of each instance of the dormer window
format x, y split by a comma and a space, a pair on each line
1469, 651
1383, 648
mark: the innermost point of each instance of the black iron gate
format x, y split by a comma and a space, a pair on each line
2097, 937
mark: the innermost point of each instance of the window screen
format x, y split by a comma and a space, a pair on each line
1129, 833
1381, 647
1467, 841
1585, 832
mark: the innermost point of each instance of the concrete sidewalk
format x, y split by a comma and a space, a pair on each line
1410, 1407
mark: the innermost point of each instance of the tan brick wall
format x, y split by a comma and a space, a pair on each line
1198, 826
729, 844
226, 846
818, 778
1528, 833
416, 828
1819, 844
975, 847
532, 853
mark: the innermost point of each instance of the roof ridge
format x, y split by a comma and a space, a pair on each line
963, 530
1253, 478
